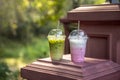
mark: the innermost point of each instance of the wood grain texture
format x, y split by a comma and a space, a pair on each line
91, 69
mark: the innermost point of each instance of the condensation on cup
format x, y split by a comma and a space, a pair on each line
78, 40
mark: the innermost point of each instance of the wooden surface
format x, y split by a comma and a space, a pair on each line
102, 25
91, 69
98, 12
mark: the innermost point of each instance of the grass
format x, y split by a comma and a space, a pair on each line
17, 54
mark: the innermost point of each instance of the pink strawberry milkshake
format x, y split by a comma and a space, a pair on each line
77, 49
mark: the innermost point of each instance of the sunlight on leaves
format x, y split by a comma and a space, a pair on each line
39, 5
16, 63
50, 12
26, 2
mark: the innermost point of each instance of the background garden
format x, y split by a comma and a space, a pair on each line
24, 25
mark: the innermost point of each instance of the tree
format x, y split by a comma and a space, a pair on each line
20, 19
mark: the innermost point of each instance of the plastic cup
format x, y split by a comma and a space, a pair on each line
56, 40
78, 40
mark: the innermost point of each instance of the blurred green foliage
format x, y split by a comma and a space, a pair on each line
16, 54
22, 19
37, 48
4, 71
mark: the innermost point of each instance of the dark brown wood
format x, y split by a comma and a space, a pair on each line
102, 24
91, 69
92, 13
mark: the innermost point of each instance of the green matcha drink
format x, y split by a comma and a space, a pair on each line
56, 44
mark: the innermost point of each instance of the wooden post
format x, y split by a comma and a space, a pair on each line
102, 24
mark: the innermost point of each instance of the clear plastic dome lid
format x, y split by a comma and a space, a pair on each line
77, 34
56, 34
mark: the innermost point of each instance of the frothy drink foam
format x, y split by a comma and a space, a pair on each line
77, 49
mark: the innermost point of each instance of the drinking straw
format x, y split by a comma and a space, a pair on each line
78, 25
58, 26
78, 28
